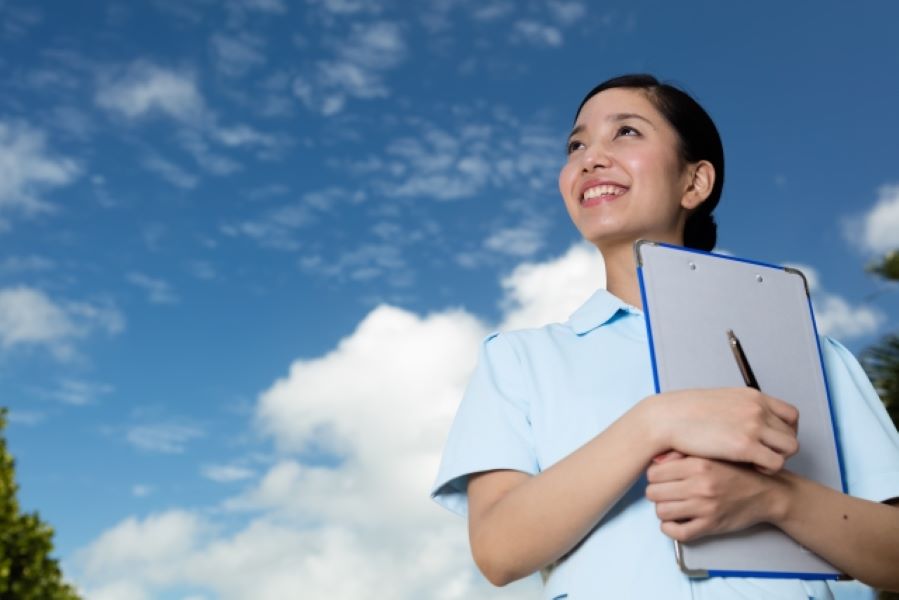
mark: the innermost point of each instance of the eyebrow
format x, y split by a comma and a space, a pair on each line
615, 118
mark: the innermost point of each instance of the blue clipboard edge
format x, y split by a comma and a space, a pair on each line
679, 557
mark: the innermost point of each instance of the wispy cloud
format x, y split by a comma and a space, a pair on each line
30, 318
140, 490
277, 227
143, 89
26, 417
361, 57
158, 291
80, 393
235, 54
27, 168
567, 13
537, 33
521, 242
227, 473
19, 19
25, 264
165, 438
170, 172
465, 159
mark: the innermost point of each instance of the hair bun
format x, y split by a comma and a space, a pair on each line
701, 231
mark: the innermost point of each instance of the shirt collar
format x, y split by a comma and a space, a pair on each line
598, 310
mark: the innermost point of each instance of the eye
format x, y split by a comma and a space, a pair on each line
627, 131
574, 145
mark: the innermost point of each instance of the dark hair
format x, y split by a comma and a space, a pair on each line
699, 140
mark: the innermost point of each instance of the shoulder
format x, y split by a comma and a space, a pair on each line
530, 340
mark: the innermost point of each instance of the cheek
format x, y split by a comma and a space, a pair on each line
566, 177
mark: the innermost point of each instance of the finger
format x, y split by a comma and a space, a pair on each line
775, 422
785, 411
686, 531
678, 510
767, 460
667, 491
670, 455
782, 443
670, 470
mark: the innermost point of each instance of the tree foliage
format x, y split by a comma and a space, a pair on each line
27, 571
881, 362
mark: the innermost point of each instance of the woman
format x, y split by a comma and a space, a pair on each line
566, 461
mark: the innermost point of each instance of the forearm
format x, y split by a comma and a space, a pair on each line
540, 520
859, 537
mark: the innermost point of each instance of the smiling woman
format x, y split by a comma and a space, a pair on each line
560, 431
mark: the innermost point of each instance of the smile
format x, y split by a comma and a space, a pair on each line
602, 192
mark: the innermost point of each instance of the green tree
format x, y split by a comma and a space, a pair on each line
881, 361
27, 571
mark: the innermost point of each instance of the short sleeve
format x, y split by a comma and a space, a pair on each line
868, 440
492, 428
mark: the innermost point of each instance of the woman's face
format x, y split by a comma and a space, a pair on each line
624, 179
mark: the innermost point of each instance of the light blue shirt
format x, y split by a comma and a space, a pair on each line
539, 394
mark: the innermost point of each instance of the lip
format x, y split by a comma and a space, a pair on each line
591, 183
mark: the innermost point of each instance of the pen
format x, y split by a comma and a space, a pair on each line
742, 361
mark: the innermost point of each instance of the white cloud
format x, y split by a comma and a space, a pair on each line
133, 542
877, 231
567, 13
26, 417
490, 11
236, 54
227, 473
356, 70
267, 6
170, 172
144, 89
515, 241
27, 169
165, 438
277, 227
117, 590
195, 142
382, 401
28, 317
509, 158
23, 264
140, 490
80, 393
158, 290
538, 34
836, 316
347, 7
548, 292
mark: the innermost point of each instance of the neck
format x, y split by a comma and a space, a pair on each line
621, 273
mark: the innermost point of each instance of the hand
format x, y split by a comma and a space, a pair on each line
734, 424
695, 497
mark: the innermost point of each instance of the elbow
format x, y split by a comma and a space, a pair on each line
494, 563
496, 573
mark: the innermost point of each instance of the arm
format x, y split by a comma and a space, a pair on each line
520, 523
696, 497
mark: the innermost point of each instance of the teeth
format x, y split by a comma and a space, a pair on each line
603, 190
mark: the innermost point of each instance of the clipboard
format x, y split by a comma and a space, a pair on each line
691, 299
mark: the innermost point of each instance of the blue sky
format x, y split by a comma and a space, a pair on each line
250, 246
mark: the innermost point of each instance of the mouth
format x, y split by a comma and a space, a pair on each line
601, 193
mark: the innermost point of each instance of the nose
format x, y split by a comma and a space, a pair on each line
595, 156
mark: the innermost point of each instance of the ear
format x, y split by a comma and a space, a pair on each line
699, 185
